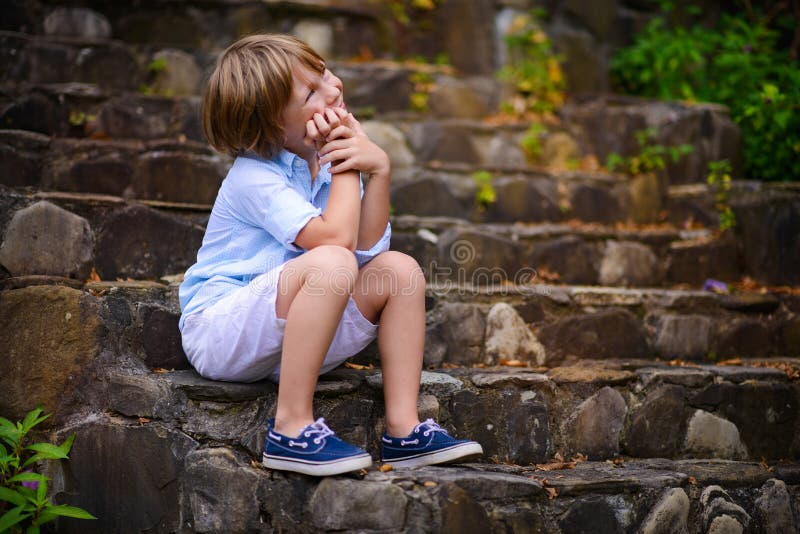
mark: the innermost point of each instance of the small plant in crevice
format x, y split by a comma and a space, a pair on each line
652, 157
533, 68
531, 142
485, 195
719, 178
24, 504
153, 69
423, 83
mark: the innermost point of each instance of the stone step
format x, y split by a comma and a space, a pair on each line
174, 481
338, 30
129, 239
115, 344
452, 250
528, 325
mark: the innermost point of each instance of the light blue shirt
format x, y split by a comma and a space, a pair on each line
260, 208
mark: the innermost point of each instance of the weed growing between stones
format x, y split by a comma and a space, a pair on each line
485, 195
652, 157
423, 84
533, 69
531, 142
719, 178
24, 503
153, 69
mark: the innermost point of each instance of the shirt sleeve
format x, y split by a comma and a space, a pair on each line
264, 198
382, 245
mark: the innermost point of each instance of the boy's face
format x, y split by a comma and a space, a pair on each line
312, 93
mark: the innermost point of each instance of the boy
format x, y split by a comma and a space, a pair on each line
294, 275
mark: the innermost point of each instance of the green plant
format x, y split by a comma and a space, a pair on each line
423, 84
531, 142
719, 178
153, 69
651, 157
400, 8
533, 68
748, 63
24, 503
485, 195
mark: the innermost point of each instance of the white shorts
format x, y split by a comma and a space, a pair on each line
239, 337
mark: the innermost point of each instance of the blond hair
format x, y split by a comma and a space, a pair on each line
246, 94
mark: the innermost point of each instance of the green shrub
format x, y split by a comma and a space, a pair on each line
532, 68
24, 504
741, 64
651, 157
719, 178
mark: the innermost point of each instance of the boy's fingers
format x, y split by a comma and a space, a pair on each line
340, 132
322, 125
332, 117
311, 131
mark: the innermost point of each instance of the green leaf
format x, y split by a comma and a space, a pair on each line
9, 495
27, 477
64, 510
41, 493
32, 419
48, 451
12, 517
67, 445
32, 530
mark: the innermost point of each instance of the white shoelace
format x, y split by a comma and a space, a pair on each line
319, 429
428, 426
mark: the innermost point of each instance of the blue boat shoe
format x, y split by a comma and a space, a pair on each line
428, 444
315, 451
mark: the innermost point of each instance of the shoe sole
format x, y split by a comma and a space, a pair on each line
318, 469
455, 453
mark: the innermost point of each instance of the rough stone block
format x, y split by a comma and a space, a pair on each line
161, 339
509, 338
774, 506
669, 515
575, 260
595, 204
684, 336
709, 436
46, 239
524, 199
181, 74
594, 427
393, 142
510, 425
744, 337
77, 22
142, 243
657, 428
147, 481
629, 264
478, 258
178, 177
51, 337
427, 197
461, 328
348, 504
220, 493
612, 333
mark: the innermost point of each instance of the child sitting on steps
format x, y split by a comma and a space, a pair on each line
294, 275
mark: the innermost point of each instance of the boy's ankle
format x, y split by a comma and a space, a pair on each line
290, 427
401, 430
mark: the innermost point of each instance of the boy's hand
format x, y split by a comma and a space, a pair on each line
349, 148
319, 128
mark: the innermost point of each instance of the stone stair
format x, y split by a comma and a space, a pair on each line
567, 328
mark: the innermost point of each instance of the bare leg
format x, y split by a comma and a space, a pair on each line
312, 294
391, 289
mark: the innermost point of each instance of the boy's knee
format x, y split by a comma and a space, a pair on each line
405, 269
337, 264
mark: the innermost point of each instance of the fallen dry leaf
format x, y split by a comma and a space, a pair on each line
351, 365
554, 466
448, 365
552, 493
765, 465
93, 276
143, 420
513, 363
386, 468
430, 484
580, 457
692, 481
159, 370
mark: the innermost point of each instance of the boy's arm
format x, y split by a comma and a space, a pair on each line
352, 149
339, 223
